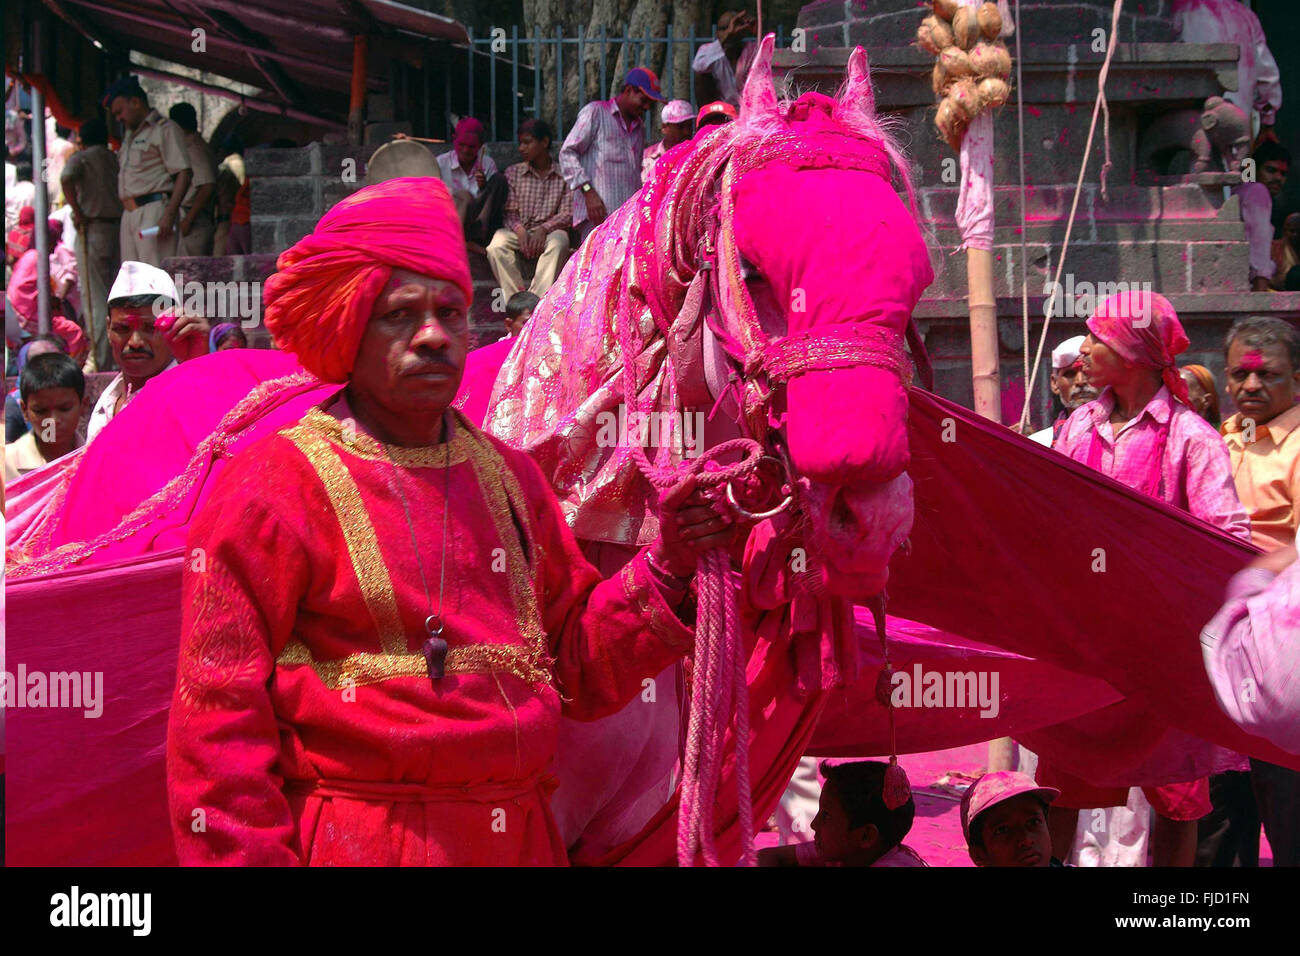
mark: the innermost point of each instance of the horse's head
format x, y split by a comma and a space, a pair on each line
833, 264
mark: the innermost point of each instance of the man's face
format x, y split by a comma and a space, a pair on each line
516, 324
675, 133
58, 406
836, 840
467, 152
531, 149
139, 349
1273, 175
1196, 393
412, 352
633, 102
1015, 834
1102, 366
128, 110
1261, 381
1072, 386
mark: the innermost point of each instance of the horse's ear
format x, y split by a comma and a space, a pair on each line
857, 95
759, 97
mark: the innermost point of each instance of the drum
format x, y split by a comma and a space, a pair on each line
401, 157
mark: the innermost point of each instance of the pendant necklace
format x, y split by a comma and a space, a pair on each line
434, 647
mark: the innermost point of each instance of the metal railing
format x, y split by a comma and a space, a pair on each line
639, 51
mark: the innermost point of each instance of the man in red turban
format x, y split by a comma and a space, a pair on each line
386, 613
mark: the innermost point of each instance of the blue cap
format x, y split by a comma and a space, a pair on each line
645, 81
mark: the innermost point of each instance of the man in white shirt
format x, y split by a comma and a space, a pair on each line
723, 62
477, 188
146, 336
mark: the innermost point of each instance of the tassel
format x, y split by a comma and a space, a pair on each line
897, 791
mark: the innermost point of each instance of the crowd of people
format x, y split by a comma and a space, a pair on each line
1122, 407
162, 192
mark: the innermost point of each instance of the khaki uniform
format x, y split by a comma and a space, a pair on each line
203, 166
92, 173
151, 158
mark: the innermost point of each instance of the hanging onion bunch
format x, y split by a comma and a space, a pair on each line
972, 66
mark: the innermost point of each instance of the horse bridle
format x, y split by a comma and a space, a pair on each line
770, 362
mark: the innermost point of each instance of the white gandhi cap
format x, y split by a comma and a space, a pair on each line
1064, 355
140, 278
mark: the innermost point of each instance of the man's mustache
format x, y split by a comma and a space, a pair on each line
144, 353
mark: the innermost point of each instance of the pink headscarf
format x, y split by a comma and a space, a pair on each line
1143, 328
320, 299
468, 130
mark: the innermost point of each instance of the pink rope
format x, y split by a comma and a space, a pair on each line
719, 697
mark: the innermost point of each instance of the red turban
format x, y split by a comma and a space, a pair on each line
1143, 328
321, 296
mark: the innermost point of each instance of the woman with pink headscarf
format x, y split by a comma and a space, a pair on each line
1142, 431
65, 299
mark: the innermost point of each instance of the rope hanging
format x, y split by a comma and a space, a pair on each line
1074, 206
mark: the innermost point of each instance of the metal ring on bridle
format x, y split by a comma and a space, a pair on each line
757, 515
771, 512
428, 625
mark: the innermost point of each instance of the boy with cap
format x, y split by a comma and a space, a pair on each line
853, 825
53, 393
676, 120
154, 173
601, 156
146, 335
1004, 820
1069, 386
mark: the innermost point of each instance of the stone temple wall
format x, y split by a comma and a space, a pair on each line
1185, 239
291, 189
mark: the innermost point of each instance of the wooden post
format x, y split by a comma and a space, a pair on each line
357, 104
983, 333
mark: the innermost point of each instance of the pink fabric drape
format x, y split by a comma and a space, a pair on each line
988, 575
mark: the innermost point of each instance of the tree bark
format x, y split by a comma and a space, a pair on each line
616, 17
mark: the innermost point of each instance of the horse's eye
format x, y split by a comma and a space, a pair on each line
748, 270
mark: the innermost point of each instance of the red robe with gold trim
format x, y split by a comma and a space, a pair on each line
305, 727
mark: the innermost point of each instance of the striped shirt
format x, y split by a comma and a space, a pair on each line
1251, 650
1195, 473
604, 150
536, 200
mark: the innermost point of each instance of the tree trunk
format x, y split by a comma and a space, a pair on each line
615, 17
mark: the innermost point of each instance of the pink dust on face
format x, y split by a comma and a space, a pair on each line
1252, 361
